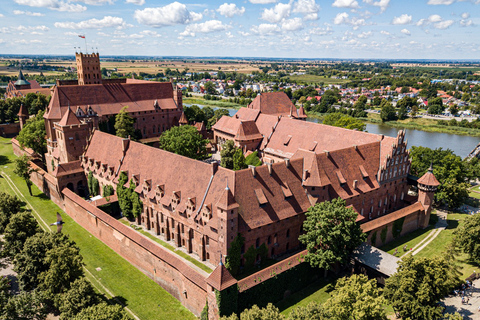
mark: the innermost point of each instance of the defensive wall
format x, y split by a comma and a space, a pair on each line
8, 130
181, 280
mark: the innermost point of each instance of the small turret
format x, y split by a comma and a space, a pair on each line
427, 185
23, 115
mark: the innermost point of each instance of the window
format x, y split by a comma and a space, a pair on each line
269, 239
257, 243
275, 238
288, 233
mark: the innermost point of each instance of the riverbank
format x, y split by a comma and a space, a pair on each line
422, 124
212, 103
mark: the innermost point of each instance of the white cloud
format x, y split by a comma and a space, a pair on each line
1, 15
137, 2
466, 23
169, 15
403, 19
22, 29
262, 1
383, 4
294, 24
443, 24
440, 2
52, 5
465, 15
364, 35
106, 22
265, 29
204, 27
385, 32
341, 18
405, 31
96, 2
28, 13
151, 33
308, 8
243, 33
321, 31
229, 34
345, 4
230, 9
277, 13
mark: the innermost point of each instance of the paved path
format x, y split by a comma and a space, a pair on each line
439, 226
469, 310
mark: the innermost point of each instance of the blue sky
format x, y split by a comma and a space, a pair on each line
390, 29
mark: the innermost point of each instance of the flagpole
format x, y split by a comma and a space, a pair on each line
86, 49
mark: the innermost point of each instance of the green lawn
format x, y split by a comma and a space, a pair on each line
318, 291
212, 103
436, 248
411, 240
170, 247
143, 296
311, 78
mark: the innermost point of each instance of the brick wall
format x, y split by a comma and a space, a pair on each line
9, 129
182, 281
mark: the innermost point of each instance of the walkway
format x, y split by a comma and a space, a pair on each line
469, 310
439, 226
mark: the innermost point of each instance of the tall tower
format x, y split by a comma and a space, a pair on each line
88, 68
427, 185
71, 137
23, 115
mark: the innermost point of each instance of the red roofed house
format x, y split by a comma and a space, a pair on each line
22, 87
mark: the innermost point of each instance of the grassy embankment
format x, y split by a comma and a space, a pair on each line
212, 103
110, 273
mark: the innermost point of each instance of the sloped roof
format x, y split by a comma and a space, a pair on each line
376, 259
247, 114
386, 219
110, 98
227, 200
247, 130
23, 111
69, 118
21, 80
428, 179
220, 278
274, 103
183, 119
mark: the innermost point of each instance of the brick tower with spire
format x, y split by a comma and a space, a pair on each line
427, 185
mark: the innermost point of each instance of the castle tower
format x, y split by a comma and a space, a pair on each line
427, 185
88, 68
183, 120
21, 83
71, 137
227, 213
23, 115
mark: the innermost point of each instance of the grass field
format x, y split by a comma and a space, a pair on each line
313, 79
212, 103
142, 296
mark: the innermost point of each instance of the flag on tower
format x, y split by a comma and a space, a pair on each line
83, 37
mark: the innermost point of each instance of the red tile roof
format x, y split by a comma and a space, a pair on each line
386, 219
109, 98
429, 179
275, 103
23, 111
247, 130
220, 278
69, 118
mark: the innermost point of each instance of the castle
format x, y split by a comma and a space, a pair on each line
200, 207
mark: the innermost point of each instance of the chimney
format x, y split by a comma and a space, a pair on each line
355, 182
269, 166
254, 169
214, 167
327, 153
125, 144
287, 162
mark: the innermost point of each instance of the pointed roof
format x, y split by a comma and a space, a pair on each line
247, 130
301, 112
21, 80
428, 179
69, 118
183, 119
220, 278
23, 111
227, 200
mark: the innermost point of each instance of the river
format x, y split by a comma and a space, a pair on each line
461, 145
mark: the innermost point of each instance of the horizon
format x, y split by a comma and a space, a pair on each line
257, 29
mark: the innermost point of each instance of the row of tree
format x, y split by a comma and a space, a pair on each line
34, 102
49, 271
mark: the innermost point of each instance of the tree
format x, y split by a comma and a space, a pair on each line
388, 113
234, 257
312, 311
467, 237
270, 312
93, 185
124, 124
195, 114
103, 311
341, 120
209, 87
9, 205
331, 233
33, 135
402, 113
253, 160
81, 295
23, 170
28, 305
450, 170
217, 114
355, 297
185, 141
227, 153
21, 226
435, 106
418, 285
238, 160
